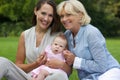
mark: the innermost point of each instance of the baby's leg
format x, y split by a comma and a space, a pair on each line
42, 75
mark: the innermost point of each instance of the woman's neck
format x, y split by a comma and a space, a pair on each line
39, 30
39, 35
75, 31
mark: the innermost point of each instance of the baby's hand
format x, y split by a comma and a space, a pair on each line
41, 59
69, 57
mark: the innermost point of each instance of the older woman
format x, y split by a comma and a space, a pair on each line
88, 53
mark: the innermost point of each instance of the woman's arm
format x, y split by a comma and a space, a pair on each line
67, 68
58, 64
21, 55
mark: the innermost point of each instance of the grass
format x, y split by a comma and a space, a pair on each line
8, 49
113, 45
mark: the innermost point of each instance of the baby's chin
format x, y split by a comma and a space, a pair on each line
56, 51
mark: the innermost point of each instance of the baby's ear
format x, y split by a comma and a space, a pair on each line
66, 47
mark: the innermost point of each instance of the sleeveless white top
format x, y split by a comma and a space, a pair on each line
30, 44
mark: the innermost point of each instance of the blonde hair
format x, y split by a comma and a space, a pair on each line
74, 7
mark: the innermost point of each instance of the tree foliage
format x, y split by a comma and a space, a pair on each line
104, 15
16, 15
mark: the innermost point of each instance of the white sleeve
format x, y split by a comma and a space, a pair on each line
77, 63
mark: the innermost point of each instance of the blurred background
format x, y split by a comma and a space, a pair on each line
16, 16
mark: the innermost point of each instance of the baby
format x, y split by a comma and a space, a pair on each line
55, 50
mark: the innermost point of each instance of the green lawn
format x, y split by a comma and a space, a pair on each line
113, 45
8, 48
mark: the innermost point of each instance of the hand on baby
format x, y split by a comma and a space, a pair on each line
42, 59
69, 57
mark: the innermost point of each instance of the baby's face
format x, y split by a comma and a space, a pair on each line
58, 45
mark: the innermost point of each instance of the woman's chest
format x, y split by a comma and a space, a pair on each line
80, 49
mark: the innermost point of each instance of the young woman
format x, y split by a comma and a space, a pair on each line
31, 44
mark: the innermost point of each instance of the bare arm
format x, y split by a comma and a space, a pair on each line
55, 63
21, 55
66, 68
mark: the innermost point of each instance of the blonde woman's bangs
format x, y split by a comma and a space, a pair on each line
60, 7
69, 9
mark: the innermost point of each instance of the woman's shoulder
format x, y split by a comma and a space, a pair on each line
30, 29
67, 32
29, 32
90, 29
25, 32
93, 32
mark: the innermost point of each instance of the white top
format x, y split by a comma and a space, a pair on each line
30, 44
